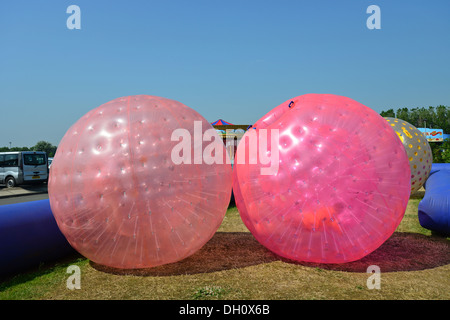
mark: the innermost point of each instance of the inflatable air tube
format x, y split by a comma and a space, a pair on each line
29, 236
434, 209
440, 167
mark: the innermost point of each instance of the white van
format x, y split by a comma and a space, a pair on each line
23, 167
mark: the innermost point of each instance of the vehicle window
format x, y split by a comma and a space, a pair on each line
33, 159
11, 160
2, 159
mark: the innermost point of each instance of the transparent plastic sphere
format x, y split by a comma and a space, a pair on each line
342, 184
119, 198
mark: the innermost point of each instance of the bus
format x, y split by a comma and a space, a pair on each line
23, 167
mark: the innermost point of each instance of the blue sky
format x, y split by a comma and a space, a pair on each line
233, 60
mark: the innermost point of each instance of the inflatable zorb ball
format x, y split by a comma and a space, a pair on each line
418, 150
341, 186
119, 196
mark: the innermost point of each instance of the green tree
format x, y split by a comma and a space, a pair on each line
442, 120
431, 117
45, 146
446, 151
20, 149
389, 113
422, 117
403, 114
7, 149
441, 151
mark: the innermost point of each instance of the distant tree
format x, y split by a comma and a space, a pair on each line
416, 117
421, 117
19, 149
403, 114
389, 113
446, 151
7, 149
45, 146
442, 120
431, 117
441, 151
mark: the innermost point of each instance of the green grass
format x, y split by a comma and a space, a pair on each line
209, 292
414, 263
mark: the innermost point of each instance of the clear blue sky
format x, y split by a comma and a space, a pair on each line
234, 60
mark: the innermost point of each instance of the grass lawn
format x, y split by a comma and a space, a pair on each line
414, 264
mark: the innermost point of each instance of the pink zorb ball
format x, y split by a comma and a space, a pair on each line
337, 185
129, 188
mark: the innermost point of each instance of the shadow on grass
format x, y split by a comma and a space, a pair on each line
28, 274
418, 194
231, 250
226, 250
403, 251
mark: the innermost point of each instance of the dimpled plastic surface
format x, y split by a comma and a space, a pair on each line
118, 197
418, 150
342, 185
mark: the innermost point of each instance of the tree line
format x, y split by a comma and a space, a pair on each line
431, 117
40, 146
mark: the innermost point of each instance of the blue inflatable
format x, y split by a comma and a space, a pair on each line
434, 209
440, 167
29, 235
